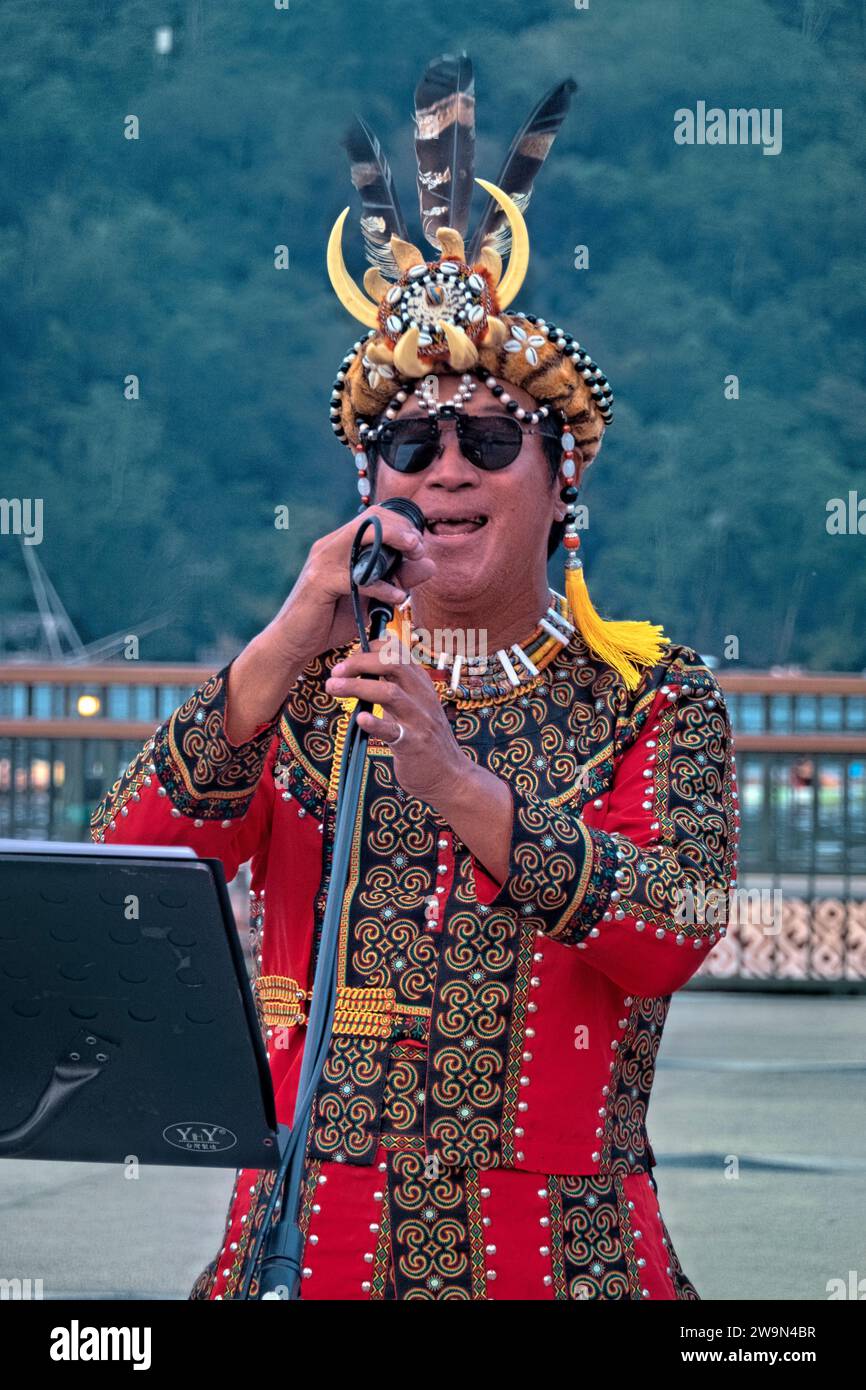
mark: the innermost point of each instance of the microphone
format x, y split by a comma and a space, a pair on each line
386, 558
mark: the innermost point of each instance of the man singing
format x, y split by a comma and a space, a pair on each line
542, 792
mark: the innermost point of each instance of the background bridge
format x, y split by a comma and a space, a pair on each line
67, 732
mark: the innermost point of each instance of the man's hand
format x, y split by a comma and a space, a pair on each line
428, 761
316, 617
427, 757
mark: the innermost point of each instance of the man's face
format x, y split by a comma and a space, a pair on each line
508, 513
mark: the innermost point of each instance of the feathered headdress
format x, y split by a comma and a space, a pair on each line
448, 314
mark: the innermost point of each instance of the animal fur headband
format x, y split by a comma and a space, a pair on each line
449, 314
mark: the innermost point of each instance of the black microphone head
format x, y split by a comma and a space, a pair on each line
408, 509
387, 559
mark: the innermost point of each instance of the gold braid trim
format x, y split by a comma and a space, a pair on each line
364, 1013
359, 1012
282, 1000
339, 743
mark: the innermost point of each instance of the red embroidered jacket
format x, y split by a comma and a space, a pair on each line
450, 1037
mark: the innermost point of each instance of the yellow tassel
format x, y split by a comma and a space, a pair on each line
623, 645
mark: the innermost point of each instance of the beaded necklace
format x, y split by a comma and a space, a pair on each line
499, 677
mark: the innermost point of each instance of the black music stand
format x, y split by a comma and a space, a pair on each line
127, 1024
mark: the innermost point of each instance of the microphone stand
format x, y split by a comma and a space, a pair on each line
280, 1275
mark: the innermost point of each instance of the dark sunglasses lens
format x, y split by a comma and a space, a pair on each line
408, 446
490, 443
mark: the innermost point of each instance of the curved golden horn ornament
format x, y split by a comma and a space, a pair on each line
378, 350
492, 263
375, 283
462, 352
451, 242
495, 334
405, 253
518, 261
406, 358
351, 298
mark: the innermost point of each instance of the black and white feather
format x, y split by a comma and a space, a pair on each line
445, 143
444, 121
381, 216
529, 149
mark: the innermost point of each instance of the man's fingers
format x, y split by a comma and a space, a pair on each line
386, 729
389, 593
398, 532
377, 692
387, 656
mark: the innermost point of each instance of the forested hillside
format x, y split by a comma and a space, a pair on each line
155, 258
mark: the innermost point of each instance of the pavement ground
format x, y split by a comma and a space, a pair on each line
757, 1122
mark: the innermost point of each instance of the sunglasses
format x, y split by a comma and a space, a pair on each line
490, 442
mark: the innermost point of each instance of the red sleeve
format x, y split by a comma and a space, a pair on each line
190, 785
639, 878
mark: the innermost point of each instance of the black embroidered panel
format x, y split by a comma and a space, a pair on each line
694, 807
557, 742
205, 775
436, 1231
386, 960
483, 956
311, 728
392, 872
598, 1259
403, 1103
561, 874
624, 1147
347, 1117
